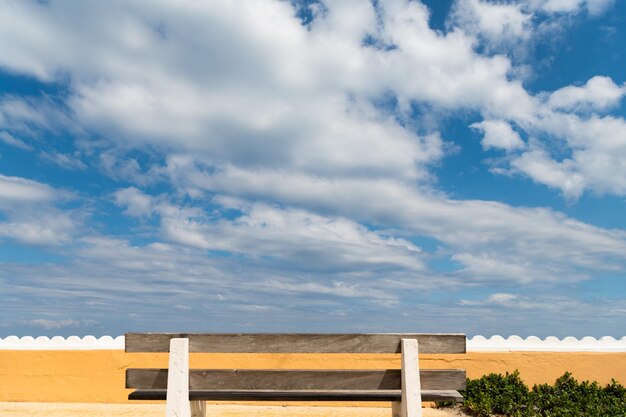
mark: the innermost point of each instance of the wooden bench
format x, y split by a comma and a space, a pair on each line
187, 390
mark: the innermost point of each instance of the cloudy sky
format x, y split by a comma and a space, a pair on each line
313, 166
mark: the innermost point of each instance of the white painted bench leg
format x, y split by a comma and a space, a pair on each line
411, 404
178, 380
198, 408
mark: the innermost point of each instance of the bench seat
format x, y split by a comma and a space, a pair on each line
304, 395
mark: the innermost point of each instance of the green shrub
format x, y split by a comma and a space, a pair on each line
507, 395
568, 398
497, 394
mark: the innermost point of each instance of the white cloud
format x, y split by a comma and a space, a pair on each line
48, 229
11, 140
118, 166
31, 215
179, 275
518, 303
561, 6
594, 7
286, 238
71, 162
16, 190
136, 202
51, 324
498, 22
515, 236
599, 93
575, 153
597, 7
513, 28
272, 100
340, 289
17, 113
494, 267
499, 134
26, 117
562, 175
503, 299
294, 238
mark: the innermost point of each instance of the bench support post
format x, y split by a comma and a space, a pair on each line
411, 405
198, 408
178, 380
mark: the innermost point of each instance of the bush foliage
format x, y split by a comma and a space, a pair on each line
508, 396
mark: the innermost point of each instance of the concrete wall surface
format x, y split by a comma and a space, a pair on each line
98, 375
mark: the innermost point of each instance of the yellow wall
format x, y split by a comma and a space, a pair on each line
98, 375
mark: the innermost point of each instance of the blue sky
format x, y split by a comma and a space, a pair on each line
313, 166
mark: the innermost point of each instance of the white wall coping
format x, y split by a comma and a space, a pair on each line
549, 344
61, 343
474, 344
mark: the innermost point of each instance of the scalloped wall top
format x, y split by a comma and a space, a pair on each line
549, 344
475, 344
61, 343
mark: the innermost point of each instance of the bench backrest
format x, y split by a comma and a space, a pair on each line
296, 342
238, 379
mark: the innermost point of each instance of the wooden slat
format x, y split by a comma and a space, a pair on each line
312, 395
198, 408
296, 343
442, 395
233, 379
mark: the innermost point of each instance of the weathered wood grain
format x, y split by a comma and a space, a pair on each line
295, 343
234, 379
310, 395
